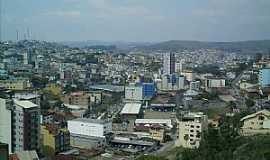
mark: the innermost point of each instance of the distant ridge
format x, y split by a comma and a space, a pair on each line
252, 45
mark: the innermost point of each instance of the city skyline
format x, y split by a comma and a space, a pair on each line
148, 21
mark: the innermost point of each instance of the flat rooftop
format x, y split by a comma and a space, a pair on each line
131, 108
88, 120
25, 104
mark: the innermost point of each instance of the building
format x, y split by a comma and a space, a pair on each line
147, 123
171, 82
131, 111
256, 123
54, 139
149, 90
83, 99
212, 82
194, 85
264, 77
24, 155
15, 84
89, 127
134, 92
188, 74
190, 129
20, 124
168, 63
157, 132
4, 153
88, 133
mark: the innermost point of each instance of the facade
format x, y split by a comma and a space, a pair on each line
188, 74
83, 99
264, 77
20, 120
4, 153
194, 85
157, 132
14, 84
256, 123
54, 139
215, 82
168, 63
131, 111
88, 133
149, 90
134, 92
190, 129
171, 82
89, 127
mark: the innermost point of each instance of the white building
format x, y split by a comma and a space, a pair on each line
171, 82
168, 63
194, 85
215, 83
89, 127
190, 129
134, 92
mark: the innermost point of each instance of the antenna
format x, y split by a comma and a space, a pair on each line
17, 35
28, 33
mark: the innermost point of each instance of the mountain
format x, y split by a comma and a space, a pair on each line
242, 46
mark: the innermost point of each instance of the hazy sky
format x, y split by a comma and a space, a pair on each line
137, 20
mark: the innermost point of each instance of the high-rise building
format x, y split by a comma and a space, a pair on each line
19, 123
190, 129
264, 77
168, 63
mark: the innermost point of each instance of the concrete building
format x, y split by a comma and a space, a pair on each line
256, 123
194, 85
171, 82
83, 99
188, 74
157, 132
54, 139
20, 124
88, 133
134, 92
15, 84
190, 128
264, 77
89, 127
168, 63
131, 111
212, 82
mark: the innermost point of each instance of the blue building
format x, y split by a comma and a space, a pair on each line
264, 77
149, 90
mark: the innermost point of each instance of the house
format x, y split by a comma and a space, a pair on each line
256, 123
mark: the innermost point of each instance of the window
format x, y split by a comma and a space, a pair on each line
261, 118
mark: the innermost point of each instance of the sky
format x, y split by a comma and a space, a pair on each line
136, 20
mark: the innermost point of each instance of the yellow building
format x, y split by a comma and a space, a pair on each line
54, 139
15, 84
157, 132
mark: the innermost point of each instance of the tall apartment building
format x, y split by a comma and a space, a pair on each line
168, 63
190, 129
19, 123
264, 77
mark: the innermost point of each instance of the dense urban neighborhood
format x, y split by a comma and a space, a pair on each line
59, 101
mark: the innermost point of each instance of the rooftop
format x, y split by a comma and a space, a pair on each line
131, 108
25, 104
88, 120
